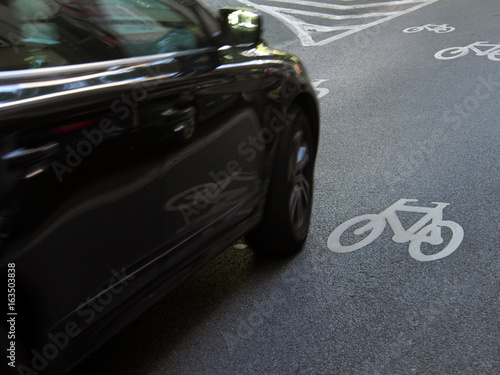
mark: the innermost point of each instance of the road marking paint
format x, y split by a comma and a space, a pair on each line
332, 16
321, 91
426, 230
347, 7
493, 52
439, 29
301, 28
292, 24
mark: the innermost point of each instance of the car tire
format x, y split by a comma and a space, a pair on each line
287, 212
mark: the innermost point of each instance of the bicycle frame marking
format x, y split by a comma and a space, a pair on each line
492, 51
434, 215
426, 230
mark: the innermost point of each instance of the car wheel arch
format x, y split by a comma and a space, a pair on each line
309, 104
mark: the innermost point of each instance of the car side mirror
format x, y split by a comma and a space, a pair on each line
240, 27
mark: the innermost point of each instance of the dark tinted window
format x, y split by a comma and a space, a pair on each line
43, 33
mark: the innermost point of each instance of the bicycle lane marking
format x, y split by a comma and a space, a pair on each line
438, 29
493, 52
426, 230
302, 28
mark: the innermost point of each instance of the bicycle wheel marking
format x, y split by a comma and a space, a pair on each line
492, 50
425, 230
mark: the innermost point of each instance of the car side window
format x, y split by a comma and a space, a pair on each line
45, 33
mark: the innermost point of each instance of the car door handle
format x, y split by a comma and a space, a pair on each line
26, 156
182, 120
179, 114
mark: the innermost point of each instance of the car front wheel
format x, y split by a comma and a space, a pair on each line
288, 207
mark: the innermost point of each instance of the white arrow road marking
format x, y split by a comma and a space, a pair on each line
321, 91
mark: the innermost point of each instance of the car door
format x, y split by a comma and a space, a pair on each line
120, 155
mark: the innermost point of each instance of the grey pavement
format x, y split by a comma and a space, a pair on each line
397, 123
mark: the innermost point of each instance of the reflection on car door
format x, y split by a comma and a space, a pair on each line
125, 171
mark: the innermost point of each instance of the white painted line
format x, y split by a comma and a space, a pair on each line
323, 29
300, 28
320, 28
347, 7
293, 25
333, 16
371, 24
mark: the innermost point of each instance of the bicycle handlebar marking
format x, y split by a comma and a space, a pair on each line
425, 230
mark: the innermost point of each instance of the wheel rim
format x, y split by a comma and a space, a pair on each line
300, 196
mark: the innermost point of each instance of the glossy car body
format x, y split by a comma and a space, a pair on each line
127, 162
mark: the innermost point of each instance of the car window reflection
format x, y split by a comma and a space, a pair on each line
43, 33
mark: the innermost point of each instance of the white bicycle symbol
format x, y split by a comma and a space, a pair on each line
427, 229
440, 29
492, 51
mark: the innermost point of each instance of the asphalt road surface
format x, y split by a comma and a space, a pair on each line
400, 120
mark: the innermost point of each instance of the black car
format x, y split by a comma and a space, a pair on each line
138, 139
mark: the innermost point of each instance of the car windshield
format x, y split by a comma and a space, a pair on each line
44, 33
